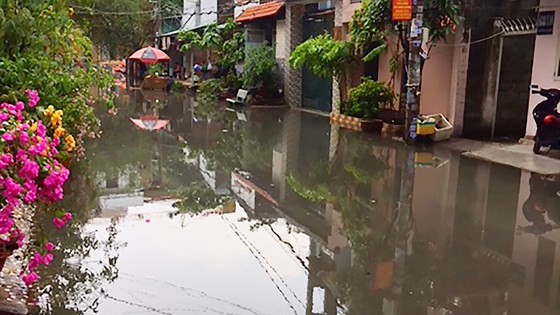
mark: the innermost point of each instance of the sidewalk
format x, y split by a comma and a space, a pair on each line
518, 155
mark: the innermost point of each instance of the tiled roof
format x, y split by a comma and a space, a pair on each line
261, 11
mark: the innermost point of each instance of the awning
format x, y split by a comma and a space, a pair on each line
259, 12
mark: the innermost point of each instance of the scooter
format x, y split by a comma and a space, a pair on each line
546, 118
544, 199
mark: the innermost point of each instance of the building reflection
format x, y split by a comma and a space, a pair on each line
461, 236
460, 249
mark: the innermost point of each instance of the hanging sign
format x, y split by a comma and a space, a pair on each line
402, 10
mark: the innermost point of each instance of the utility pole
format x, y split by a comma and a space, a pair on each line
159, 21
197, 13
414, 69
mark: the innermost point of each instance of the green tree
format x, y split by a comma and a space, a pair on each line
226, 42
41, 48
118, 28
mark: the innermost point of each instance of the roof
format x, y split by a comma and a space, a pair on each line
259, 12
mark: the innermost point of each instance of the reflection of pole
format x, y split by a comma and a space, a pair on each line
403, 222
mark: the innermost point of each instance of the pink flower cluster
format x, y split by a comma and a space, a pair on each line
30, 172
38, 260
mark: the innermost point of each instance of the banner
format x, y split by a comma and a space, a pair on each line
402, 10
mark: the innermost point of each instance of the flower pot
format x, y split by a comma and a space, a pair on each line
357, 124
373, 125
393, 122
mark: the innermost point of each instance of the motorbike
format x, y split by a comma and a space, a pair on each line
546, 118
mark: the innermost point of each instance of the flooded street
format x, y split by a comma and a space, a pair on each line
277, 212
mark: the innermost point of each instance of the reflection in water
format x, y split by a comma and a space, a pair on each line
325, 221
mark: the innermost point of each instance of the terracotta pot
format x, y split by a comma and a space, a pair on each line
373, 126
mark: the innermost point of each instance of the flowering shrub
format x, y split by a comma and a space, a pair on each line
32, 152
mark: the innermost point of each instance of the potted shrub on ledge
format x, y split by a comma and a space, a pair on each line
363, 107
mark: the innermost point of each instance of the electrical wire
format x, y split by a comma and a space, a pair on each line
478, 41
254, 251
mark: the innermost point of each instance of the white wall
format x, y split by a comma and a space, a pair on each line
280, 39
239, 9
206, 6
545, 63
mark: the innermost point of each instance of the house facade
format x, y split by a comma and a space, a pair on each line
545, 72
264, 24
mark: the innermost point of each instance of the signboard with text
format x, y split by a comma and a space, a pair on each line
402, 10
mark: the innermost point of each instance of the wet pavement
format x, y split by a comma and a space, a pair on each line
278, 212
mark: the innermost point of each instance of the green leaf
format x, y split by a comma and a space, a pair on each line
374, 53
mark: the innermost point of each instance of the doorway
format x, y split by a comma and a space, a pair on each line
316, 92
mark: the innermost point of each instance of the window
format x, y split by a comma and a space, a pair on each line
255, 36
325, 5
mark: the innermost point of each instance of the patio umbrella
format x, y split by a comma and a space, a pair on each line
149, 56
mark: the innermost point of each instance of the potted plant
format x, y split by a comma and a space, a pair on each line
363, 107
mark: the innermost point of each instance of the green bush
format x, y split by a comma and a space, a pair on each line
260, 68
367, 100
232, 81
157, 70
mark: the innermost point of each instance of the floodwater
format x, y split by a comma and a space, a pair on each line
306, 218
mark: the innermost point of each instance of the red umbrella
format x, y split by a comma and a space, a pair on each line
149, 122
149, 55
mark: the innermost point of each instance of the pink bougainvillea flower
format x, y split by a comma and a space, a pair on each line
48, 259
8, 137
49, 247
21, 155
29, 170
148, 220
30, 197
33, 97
19, 106
41, 129
30, 279
24, 138
35, 262
58, 223
11, 189
67, 217
6, 160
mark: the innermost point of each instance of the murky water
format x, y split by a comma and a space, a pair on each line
306, 219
